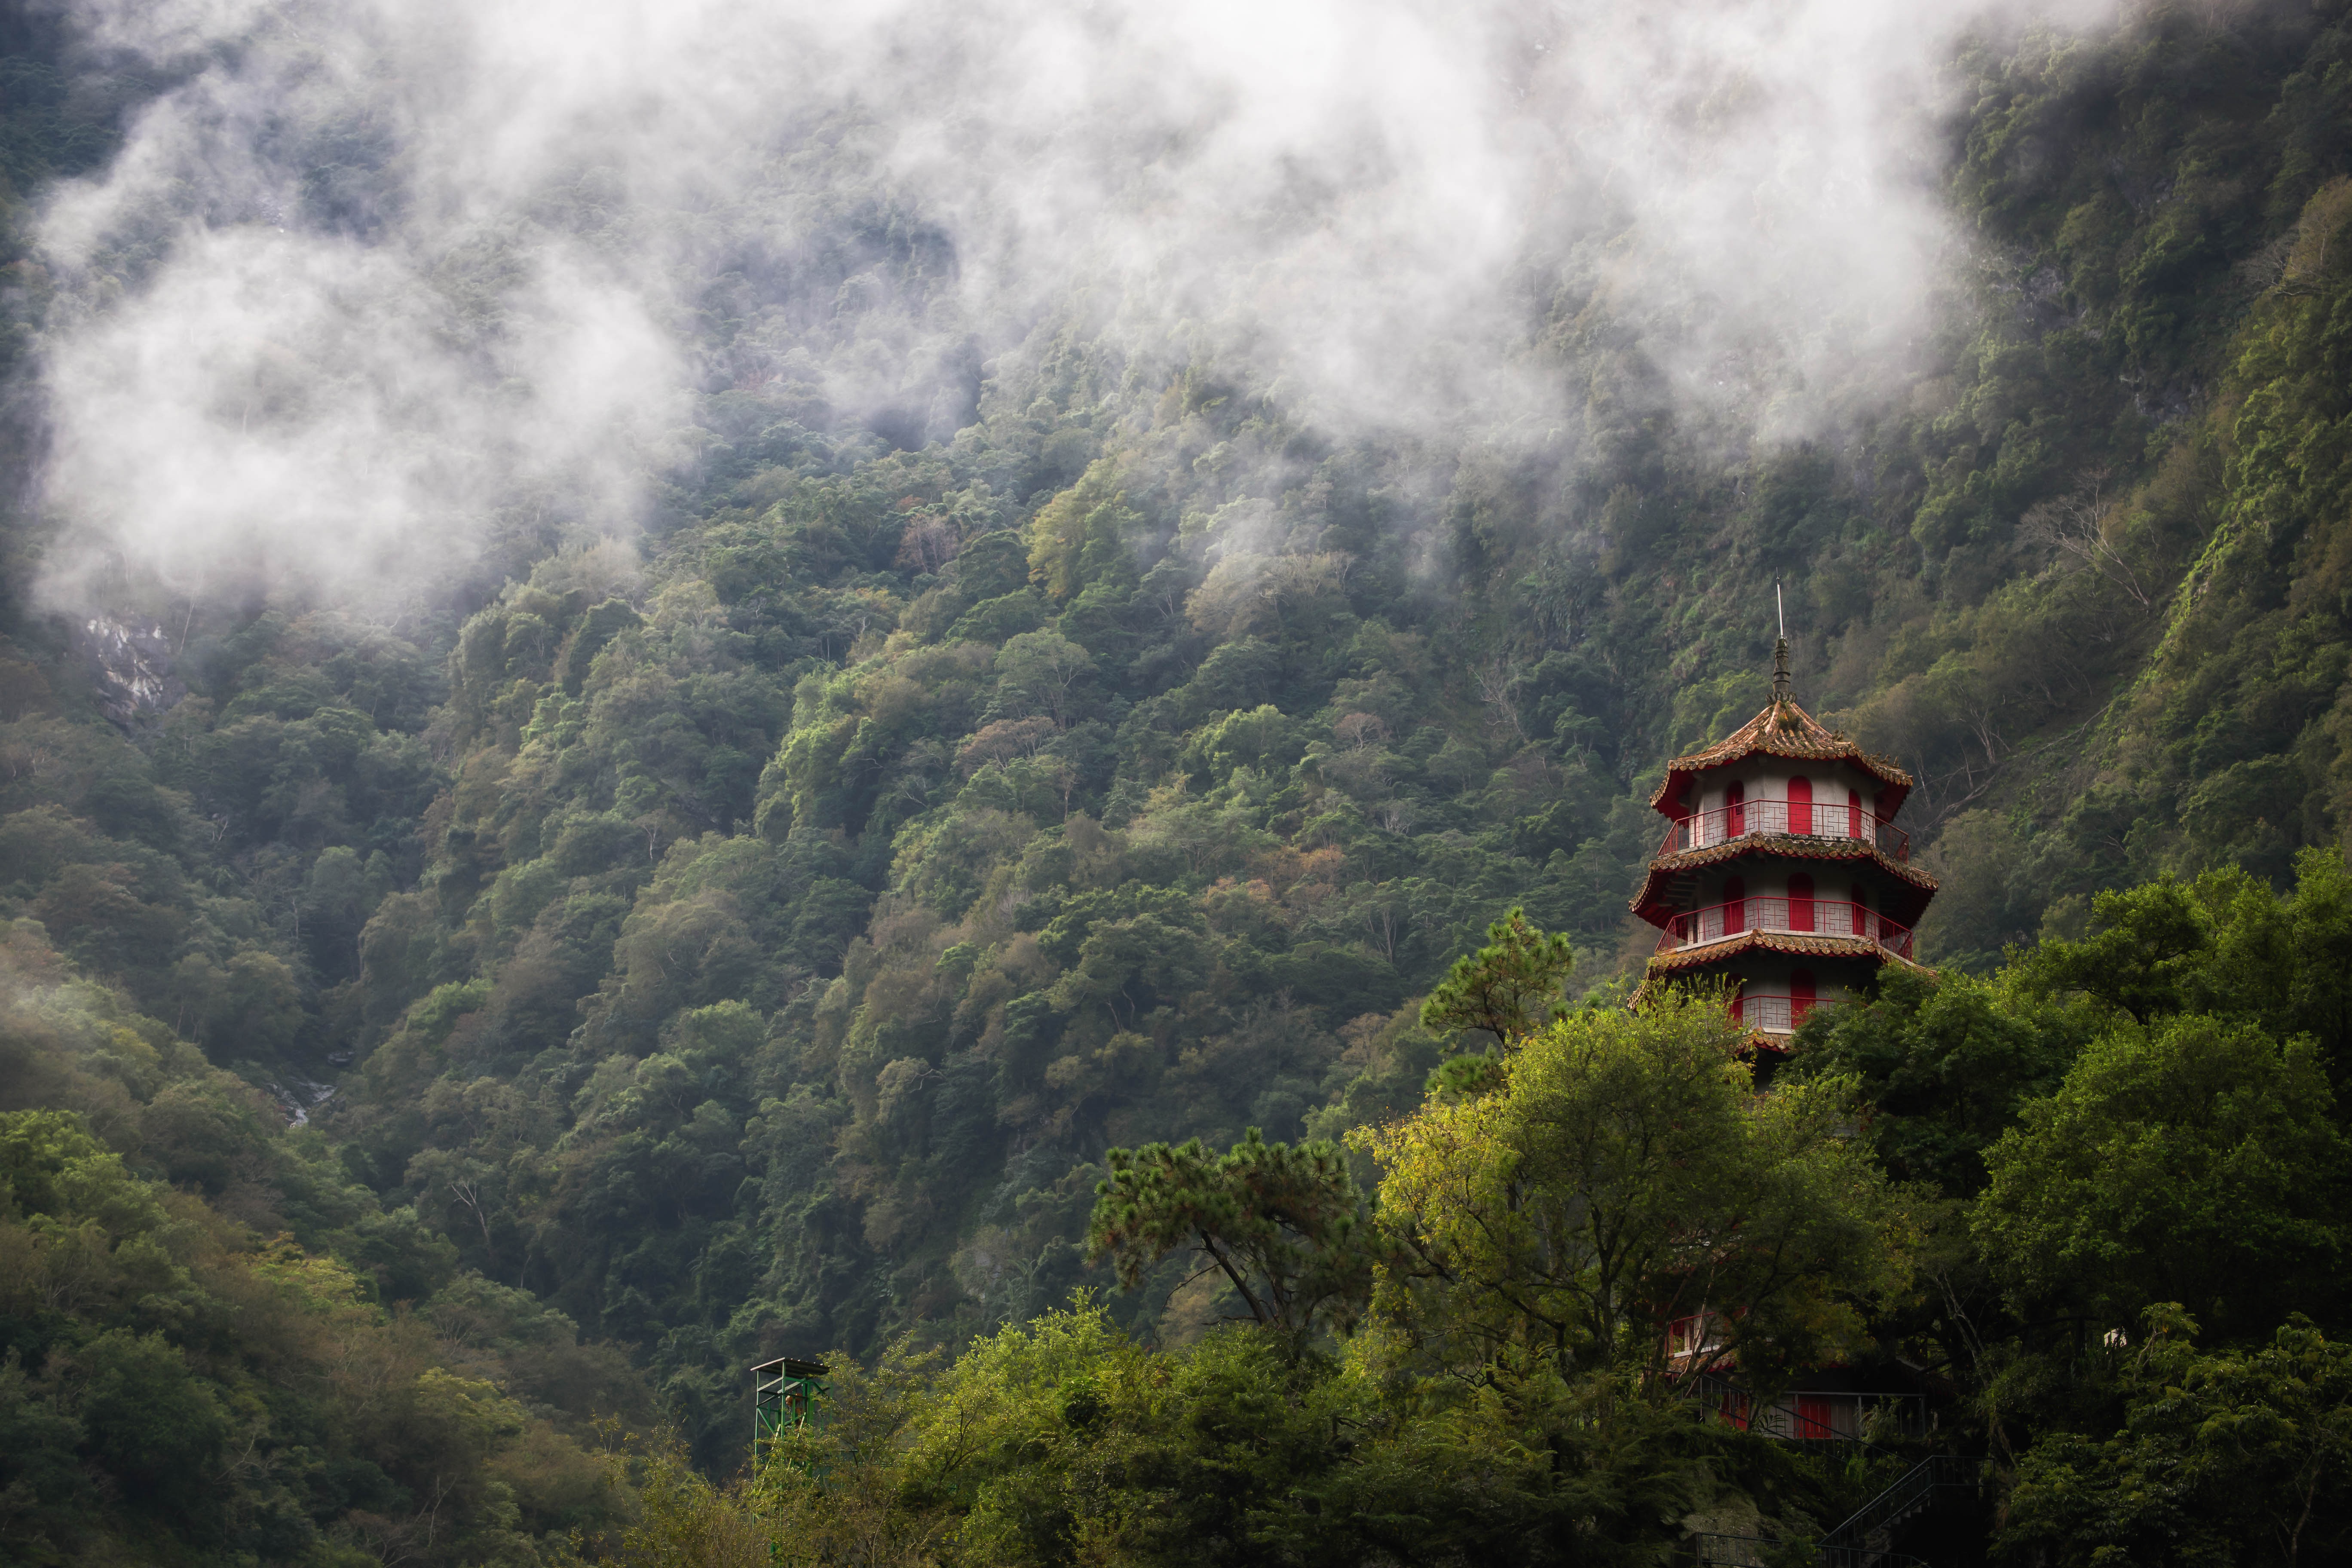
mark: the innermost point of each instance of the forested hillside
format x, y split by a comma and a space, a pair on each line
2099, 1204
749, 933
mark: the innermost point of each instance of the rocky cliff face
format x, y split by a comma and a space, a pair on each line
130, 668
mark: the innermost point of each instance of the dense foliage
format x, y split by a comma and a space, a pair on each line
759, 939
218, 1348
2127, 1291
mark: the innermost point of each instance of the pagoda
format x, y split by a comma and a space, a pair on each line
1783, 876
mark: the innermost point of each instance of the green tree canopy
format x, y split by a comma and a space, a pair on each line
2227, 1456
1946, 1062
1281, 1224
1514, 984
1627, 1175
2196, 1161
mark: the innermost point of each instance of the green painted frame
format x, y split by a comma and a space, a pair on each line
784, 1393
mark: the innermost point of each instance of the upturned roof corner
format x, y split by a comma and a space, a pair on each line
1783, 729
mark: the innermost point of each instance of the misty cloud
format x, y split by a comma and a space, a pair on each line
375, 274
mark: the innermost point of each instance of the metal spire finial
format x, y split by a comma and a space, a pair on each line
1780, 649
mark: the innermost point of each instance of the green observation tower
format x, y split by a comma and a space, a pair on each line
784, 1393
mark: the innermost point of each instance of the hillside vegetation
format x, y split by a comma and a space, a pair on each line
756, 939
2100, 1195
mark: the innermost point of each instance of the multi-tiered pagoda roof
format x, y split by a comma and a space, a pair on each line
1782, 870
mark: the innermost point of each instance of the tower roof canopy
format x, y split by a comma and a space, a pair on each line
1668, 884
1783, 730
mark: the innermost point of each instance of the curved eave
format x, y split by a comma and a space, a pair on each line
1795, 944
1652, 902
1785, 730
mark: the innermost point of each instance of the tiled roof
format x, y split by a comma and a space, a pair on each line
1796, 847
1783, 729
1711, 953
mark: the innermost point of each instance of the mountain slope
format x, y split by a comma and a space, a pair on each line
746, 944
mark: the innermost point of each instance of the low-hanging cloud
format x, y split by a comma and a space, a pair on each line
379, 271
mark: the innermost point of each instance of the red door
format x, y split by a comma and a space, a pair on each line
1734, 906
1801, 805
1800, 995
1801, 903
1853, 814
1861, 910
1735, 811
1815, 1417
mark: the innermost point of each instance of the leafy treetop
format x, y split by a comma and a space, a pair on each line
1281, 1223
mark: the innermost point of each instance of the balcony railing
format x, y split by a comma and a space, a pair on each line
1773, 1012
1804, 917
1819, 819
